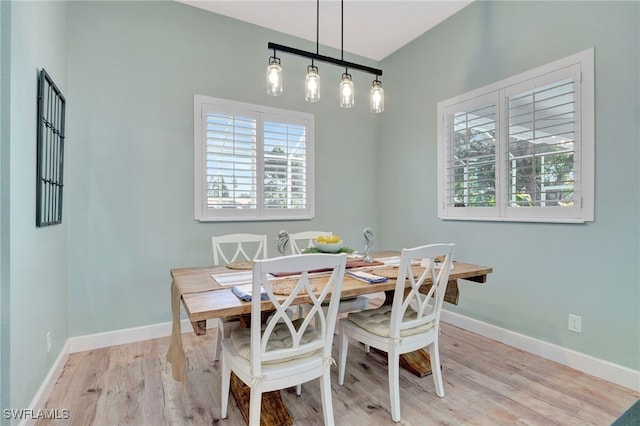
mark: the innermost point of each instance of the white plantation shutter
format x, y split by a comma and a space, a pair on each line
543, 164
470, 163
285, 165
522, 148
251, 162
231, 161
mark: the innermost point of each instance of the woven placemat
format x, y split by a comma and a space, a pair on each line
244, 265
284, 286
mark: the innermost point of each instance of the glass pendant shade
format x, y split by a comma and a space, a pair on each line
376, 97
347, 95
312, 85
274, 77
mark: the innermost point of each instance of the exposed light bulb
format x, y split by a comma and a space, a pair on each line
274, 77
376, 97
312, 85
347, 97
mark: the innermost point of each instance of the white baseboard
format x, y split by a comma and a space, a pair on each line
41, 396
127, 335
97, 341
606, 370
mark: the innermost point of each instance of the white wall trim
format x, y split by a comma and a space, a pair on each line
42, 395
127, 335
97, 341
606, 370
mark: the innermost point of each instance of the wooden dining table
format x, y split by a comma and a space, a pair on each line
203, 298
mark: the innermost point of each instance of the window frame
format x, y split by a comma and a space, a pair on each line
204, 104
581, 66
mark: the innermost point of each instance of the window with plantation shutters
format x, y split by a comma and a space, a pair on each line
521, 149
471, 157
251, 162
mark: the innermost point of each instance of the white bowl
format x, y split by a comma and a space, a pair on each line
328, 248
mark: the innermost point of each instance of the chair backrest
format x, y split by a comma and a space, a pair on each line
302, 240
243, 247
311, 335
426, 306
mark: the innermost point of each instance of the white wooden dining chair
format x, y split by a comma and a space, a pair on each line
303, 240
284, 352
228, 249
243, 247
410, 323
299, 241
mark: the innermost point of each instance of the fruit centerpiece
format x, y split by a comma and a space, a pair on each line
328, 244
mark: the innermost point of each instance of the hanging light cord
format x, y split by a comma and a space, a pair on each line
342, 30
317, 27
317, 31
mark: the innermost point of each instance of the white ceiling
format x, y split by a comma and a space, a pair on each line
372, 28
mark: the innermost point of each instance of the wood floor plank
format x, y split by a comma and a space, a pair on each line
486, 383
153, 397
80, 384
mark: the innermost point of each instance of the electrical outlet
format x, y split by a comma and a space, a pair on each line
575, 323
48, 342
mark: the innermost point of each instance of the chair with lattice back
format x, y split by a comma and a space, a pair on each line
233, 247
410, 323
226, 250
285, 352
303, 240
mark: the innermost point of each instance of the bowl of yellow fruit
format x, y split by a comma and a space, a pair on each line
328, 244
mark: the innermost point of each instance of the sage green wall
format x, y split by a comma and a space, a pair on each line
5, 96
133, 70
37, 256
542, 272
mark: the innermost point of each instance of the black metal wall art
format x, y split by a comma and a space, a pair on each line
50, 152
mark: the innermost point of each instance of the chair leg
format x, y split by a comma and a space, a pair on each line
434, 355
342, 362
223, 330
225, 374
367, 348
393, 364
325, 393
255, 402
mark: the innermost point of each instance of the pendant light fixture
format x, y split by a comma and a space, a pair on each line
274, 76
376, 97
347, 92
312, 84
312, 80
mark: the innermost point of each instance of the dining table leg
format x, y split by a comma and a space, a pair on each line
273, 411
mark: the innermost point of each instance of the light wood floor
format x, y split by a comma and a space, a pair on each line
486, 383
